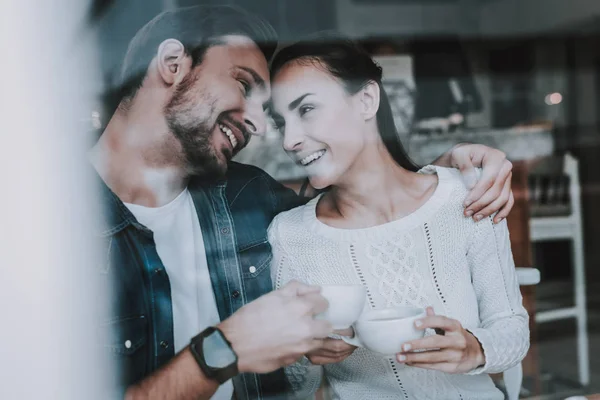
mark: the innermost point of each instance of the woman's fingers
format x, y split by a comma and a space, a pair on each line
429, 342
430, 357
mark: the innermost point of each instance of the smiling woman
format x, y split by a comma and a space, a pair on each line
397, 232
316, 94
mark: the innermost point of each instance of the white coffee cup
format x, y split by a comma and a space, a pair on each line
386, 330
346, 303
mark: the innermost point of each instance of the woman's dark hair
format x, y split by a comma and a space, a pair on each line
347, 61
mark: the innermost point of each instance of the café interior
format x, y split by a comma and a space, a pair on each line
522, 76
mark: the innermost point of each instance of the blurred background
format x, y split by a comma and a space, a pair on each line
519, 75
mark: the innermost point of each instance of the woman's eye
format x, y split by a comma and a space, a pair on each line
304, 109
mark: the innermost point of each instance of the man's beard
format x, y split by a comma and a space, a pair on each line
194, 133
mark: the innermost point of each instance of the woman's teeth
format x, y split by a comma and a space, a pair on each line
229, 135
312, 158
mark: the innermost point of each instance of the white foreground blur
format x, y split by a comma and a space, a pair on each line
49, 337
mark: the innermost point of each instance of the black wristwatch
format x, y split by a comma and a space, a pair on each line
214, 355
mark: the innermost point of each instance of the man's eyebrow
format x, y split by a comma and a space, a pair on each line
297, 102
260, 82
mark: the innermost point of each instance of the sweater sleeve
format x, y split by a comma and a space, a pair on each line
304, 377
503, 330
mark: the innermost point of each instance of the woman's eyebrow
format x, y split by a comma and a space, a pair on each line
297, 102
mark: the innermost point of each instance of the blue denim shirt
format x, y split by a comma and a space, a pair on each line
234, 216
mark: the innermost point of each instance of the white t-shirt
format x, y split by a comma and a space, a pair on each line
179, 243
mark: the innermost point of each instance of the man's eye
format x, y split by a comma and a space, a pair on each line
245, 86
304, 109
278, 124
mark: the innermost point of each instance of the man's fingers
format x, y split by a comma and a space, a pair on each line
504, 211
498, 203
315, 303
469, 175
321, 329
296, 288
461, 159
308, 289
493, 176
490, 196
476, 197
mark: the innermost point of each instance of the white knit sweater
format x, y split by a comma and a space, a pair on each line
434, 256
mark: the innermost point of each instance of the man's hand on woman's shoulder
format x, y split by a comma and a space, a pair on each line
489, 193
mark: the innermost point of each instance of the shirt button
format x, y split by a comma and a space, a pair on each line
235, 294
128, 344
224, 231
252, 269
164, 344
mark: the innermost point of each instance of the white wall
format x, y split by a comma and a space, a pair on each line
48, 300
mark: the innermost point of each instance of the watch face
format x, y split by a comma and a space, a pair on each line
217, 353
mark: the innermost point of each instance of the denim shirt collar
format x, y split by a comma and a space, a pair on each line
116, 215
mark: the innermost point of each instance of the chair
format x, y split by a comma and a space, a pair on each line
555, 210
513, 378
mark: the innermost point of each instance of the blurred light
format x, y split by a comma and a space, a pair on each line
456, 119
553, 98
96, 122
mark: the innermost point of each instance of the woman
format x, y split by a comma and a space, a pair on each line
398, 232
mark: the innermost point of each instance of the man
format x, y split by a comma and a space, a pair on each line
186, 227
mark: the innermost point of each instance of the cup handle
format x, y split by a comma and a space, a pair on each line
354, 341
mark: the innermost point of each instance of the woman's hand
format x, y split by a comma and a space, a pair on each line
457, 351
333, 350
491, 192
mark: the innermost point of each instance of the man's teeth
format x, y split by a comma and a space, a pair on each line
229, 135
313, 157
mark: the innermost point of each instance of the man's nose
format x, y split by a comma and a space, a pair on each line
255, 121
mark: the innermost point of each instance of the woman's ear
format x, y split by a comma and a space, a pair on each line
172, 61
369, 100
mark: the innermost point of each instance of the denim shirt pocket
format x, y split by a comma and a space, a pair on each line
255, 262
129, 334
126, 342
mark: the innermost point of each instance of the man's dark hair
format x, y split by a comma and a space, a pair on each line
197, 28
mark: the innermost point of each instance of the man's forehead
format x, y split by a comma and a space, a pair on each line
238, 41
243, 53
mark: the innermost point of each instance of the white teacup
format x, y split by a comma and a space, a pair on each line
385, 330
346, 303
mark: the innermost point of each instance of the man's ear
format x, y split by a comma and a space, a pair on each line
172, 62
369, 100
